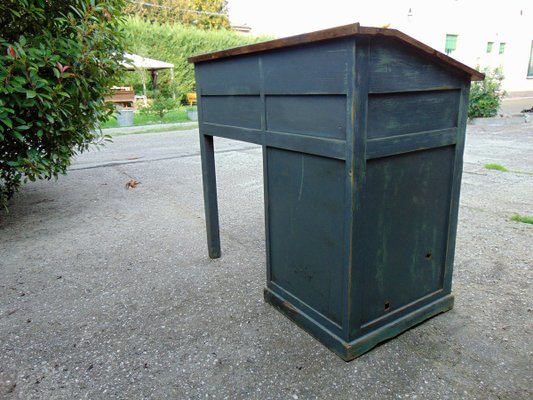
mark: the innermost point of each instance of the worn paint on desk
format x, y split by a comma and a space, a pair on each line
363, 138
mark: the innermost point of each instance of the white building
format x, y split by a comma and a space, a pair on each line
485, 34
469, 25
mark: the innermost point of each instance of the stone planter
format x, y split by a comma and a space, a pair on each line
192, 115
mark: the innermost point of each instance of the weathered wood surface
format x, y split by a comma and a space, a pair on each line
403, 224
241, 111
396, 114
362, 137
352, 30
309, 269
322, 116
395, 66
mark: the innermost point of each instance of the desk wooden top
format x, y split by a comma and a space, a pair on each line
351, 30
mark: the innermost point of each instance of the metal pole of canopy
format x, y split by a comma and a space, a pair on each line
172, 80
154, 80
143, 78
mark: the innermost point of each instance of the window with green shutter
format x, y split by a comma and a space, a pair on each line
502, 48
530, 66
451, 43
489, 47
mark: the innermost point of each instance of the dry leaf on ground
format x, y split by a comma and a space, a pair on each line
132, 184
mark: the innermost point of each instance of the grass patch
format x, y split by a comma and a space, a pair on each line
497, 167
112, 123
179, 115
501, 168
159, 129
526, 219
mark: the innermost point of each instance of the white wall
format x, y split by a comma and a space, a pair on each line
475, 23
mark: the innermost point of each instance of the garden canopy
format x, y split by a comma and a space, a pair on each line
135, 62
139, 62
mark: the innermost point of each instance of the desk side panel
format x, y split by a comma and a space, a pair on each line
295, 102
232, 76
229, 98
307, 111
321, 116
397, 67
236, 111
307, 226
404, 220
318, 68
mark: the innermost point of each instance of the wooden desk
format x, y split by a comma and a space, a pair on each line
363, 134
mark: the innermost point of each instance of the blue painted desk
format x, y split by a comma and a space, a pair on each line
363, 134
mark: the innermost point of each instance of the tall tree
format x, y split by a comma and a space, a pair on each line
205, 14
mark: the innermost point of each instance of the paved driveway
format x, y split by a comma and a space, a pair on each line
107, 292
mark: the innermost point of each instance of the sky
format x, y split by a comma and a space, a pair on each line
290, 17
474, 22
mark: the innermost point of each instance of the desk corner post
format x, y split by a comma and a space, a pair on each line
210, 195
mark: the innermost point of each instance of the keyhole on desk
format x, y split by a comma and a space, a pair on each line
428, 256
387, 306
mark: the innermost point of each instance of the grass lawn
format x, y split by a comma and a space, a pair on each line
179, 115
156, 129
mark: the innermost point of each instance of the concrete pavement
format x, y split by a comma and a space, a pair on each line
107, 292
514, 105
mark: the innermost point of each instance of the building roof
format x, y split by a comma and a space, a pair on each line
139, 62
351, 30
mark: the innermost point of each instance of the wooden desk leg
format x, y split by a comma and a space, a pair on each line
210, 195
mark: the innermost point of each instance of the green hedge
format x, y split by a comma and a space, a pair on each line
174, 44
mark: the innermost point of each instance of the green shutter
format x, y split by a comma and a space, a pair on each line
451, 43
489, 47
502, 48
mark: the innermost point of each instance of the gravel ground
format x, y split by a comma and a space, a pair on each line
107, 292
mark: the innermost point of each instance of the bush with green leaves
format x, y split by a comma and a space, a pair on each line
486, 95
58, 59
160, 106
